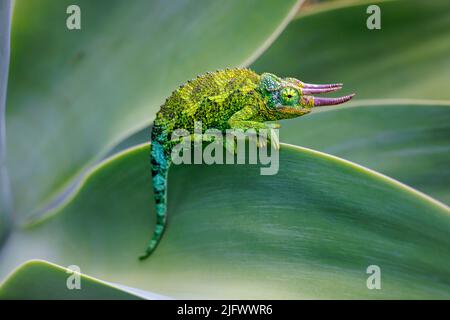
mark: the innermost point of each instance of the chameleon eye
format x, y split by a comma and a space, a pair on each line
289, 96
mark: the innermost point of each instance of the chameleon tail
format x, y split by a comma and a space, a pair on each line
160, 159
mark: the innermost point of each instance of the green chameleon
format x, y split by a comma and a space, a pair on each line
225, 99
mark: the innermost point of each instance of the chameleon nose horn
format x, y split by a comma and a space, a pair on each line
317, 102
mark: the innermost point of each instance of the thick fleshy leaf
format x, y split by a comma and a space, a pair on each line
5, 196
409, 141
74, 93
38, 280
311, 231
407, 58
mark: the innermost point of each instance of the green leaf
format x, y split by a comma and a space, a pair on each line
407, 58
409, 141
310, 231
74, 93
5, 198
39, 280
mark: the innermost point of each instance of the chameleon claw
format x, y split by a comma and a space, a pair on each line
274, 139
262, 142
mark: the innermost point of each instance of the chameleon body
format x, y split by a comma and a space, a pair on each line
225, 99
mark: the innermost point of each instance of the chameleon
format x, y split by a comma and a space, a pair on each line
237, 98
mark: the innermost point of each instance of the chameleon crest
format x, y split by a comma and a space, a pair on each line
225, 99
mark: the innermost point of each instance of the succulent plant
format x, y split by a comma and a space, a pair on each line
358, 186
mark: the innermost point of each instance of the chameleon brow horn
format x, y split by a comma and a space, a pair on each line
319, 90
321, 86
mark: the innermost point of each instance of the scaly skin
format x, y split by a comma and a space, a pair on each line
225, 99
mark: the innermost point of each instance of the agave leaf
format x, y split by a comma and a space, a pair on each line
409, 141
38, 280
311, 231
5, 197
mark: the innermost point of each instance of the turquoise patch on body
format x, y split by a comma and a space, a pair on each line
158, 155
159, 182
161, 209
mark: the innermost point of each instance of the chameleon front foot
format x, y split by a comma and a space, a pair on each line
262, 140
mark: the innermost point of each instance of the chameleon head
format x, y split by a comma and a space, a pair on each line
289, 97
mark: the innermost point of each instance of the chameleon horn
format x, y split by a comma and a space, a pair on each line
331, 101
320, 90
322, 86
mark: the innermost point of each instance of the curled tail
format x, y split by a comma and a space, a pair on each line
160, 159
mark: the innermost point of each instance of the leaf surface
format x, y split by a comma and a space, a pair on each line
310, 231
